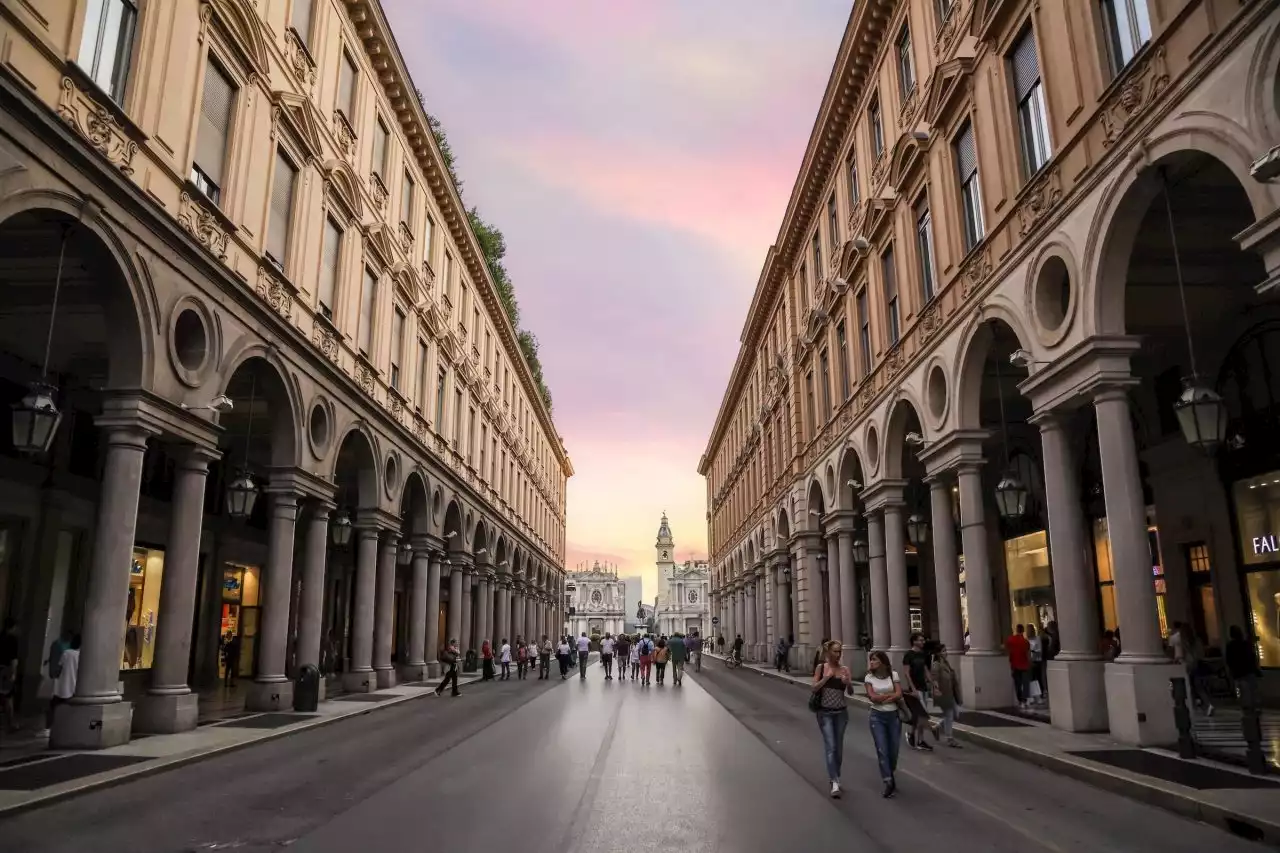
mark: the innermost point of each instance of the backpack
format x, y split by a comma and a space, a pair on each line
646, 646
522, 653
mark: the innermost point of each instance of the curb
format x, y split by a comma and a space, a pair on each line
1234, 822
161, 765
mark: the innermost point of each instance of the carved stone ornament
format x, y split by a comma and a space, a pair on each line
299, 59
378, 191
867, 393
203, 225
345, 136
96, 124
364, 377
930, 320
275, 292
325, 340
910, 108
396, 405
1139, 89
880, 170
948, 31
975, 271
406, 237
1041, 197
857, 217
895, 360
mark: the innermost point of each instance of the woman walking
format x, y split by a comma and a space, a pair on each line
946, 694
562, 652
884, 691
486, 661
634, 657
660, 656
832, 682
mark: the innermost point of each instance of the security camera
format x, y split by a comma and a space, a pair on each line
853, 484
482, 551
222, 403
914, 439
451, 534
920, 135
1267, 167
1021, 358
814, 512
861, 244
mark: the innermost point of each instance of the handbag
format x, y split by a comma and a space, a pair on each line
904, 713
815, 701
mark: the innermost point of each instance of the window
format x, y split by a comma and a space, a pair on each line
1033, 121
824, 363
397, 346
877, 127
817, 256
300, 18
809, 405
864, 332
1128, 26
381, 138
890, 276
107, 44
211, 135
851, 172
364, 333
442, 377
406, 200
471, 436
429, 239
484, 449
423, 387
924, 246
802, 282
970, 191
944, 9
347, 87
330, 252
833, 224
282, 182
906, 70
457, 417
843, 354
448, 273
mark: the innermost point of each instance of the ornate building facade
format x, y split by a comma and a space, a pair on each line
596, 601
683, 603
286, 403
1013, 356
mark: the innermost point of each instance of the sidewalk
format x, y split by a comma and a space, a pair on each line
1204, 790
32, 775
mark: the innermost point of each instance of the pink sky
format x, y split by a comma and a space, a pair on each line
638, 156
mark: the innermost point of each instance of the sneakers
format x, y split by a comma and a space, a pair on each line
911, 740
890, 788
835, 789
923, 746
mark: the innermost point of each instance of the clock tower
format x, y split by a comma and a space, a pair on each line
665, 550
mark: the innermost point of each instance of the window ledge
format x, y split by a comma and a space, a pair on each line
210, 206
98, 95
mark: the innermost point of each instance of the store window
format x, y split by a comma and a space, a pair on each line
1257, 506
240, 615
1031, 600
146, 574
1106, 574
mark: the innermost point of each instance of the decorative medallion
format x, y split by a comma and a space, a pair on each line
880, 170
203, 225
364, 377
406, 238
1140, 88
345, 136
276, 293
895, 360
930, 320
325, 340
299, 59
948, 31
910, 107
1041, 197
378, 191
95, 123
975, 270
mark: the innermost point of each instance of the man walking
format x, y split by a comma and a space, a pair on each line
622, 654
606, 656
544, 658
449, 657
694, 644
679, 655
584, 652
1019, 649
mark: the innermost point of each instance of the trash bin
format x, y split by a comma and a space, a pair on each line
306, 692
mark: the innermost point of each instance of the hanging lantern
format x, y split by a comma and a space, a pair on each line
341, 529
1011, 497
1202, 415
861, 553
405, 555
918, 529
241, 496
35, 420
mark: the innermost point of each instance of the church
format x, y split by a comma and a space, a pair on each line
683, 596
596, 601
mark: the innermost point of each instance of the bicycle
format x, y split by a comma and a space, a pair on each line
732, 662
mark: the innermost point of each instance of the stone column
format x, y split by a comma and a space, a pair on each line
770, 600
502, 593
96, 718
433, 614
808, 598
485, 622
271, 689
835, 614
384, 611
896, 574
762, 615
169, 705
311, 621
454, 626
468, 637
984, 669
1078, 698
749, 616
946, 567
361, 678
1137, 682
879, 581
517, 612
849, 626
782, 609
415, 667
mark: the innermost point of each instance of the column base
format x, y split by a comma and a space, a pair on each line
386, 677
1140, 702
166, 714
985, 682
359, 682
1077, 695
410, 672
269, 696
91, 726
800, 657
434, 670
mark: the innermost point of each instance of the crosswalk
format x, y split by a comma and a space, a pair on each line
1221, 736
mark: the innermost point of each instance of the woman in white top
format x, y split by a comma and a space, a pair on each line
635, 658
884, 691
504, 657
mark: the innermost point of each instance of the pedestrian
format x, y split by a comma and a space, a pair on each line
486, 661
606, 655
884, 691
622, 655
231, 658
1109, 646
635, 658
1051, 645
584, 653
737, 648
505, 653
1019, 650
915, 689
1035, 689
720, 644
679, 654
544, 658
832, 684
646, 659
64, 683
9, 653
562, 652
661, 655
524, 658
694, 644
1192, 660
946, 692
1242, 666
449, 657
780, 654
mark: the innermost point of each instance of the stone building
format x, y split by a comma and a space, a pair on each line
1013, 358
597, 601
285, 402
683, 603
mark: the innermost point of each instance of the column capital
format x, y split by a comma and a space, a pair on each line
1072, 378
377, 519
321, 507
425, 543
1114, 390
883, 493
300, 482
956, 448
194, 457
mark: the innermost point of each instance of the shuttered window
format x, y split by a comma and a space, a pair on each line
330, 252
301, 19
364, 339
1033, 121
282, 182
106, 46
966, 154
891, 310
406, 200
347, 86
380, 138
397, 346
214, 130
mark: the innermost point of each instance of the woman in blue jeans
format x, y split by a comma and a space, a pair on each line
832, 682
884, 691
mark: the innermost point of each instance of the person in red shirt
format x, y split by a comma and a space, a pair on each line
1019, 650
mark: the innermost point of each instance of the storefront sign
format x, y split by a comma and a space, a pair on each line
1265, 544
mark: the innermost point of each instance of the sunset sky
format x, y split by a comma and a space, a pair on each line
638, 156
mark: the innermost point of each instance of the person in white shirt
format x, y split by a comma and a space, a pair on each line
563, 651
606, 656
544, 658
584, 651
64, 686
884, 690
505, 659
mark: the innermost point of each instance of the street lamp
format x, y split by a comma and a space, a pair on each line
861, 553
241, 491
405, 554
918, 529
1011, 497
36, 416
340, 529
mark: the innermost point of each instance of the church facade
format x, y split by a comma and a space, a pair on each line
596, 600
682, 601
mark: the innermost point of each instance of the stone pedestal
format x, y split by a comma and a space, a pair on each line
985, 682
386, 677
434, 670
411, 672
166, 714
91, 726
1077, 695
269, 696
1140, 702
800, 657
359, 682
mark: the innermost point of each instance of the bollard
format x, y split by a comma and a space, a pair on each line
1251, 724
1182, 718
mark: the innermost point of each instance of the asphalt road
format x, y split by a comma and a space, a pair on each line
554, 767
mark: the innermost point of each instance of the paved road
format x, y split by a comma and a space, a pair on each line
602, 766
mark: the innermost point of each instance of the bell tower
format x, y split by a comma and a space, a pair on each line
665, 550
